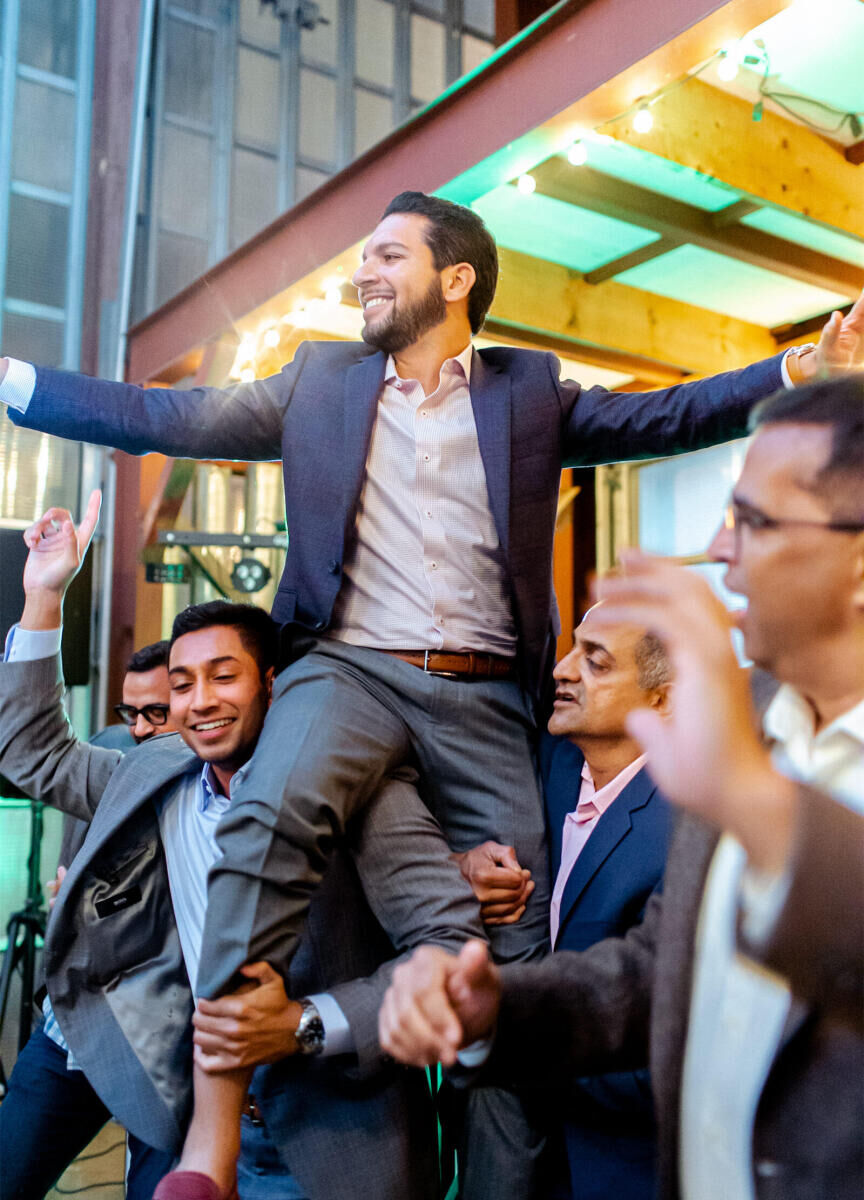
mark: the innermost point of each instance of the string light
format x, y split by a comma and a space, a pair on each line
577, 155
643, 121
271, 338
727, 67
247, 375
526, 184
333, 295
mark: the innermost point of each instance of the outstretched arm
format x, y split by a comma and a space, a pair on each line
601, 426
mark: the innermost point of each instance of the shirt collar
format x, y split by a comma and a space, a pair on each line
611, 790
210, 793
460, 361
789, 716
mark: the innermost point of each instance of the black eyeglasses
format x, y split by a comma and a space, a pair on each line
739, 515
153, 714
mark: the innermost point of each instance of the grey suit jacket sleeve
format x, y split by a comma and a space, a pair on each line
240, 422
817, 943
581, 1013
415, 892
39, 751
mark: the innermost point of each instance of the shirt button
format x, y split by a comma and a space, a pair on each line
423, 413
428, 512
434, 566
425, 457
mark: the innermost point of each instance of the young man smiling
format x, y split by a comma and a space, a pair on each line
124, 938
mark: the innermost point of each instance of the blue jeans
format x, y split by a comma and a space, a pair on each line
261, 1175
47, 1118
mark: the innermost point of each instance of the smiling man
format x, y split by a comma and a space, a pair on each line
124, 938
416, 591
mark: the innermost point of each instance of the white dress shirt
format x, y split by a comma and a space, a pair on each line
738, 1008
426, 570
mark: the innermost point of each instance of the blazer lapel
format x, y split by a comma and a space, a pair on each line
490, 399
363, 383
607, 835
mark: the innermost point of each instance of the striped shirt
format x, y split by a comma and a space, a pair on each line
426, 571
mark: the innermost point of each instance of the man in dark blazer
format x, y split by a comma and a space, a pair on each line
609, 828
744, 983
421, 482
116, 959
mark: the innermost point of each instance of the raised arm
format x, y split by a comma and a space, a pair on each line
39, 751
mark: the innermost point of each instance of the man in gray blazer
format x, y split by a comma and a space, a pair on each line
744, 983
124, 936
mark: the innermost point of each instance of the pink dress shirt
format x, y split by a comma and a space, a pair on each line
580, 824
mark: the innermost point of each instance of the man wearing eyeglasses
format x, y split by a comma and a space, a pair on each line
743, 985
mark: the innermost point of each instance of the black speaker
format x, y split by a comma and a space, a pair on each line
76, 609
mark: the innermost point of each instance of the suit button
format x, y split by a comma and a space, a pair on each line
333, 567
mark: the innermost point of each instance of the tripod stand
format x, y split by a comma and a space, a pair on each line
24, 927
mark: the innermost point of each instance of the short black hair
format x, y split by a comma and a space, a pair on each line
457, 235
148, 658
839, 404
257, 630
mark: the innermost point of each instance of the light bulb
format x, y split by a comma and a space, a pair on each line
643, 121
727, 67
271, 338
333, 295
247, 375
526, 184
577, 155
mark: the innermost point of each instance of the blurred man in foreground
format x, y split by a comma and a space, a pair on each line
745, 983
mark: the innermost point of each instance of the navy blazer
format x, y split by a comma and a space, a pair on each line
607, 1120
318, 413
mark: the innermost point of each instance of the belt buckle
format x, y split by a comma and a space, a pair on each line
438, 674
426, 662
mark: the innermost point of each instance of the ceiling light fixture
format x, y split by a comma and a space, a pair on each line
526, 184
577, 155
643, 121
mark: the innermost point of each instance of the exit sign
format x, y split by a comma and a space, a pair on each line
167, 572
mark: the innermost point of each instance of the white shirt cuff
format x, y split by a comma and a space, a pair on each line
476, 1054
26, 645
338, 1038
761, 898
784, 371
18, 384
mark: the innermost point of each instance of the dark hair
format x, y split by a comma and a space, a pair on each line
148, 658
257, 630
654, 667
838, 403
457, 235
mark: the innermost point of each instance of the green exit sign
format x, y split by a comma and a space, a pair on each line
167, 572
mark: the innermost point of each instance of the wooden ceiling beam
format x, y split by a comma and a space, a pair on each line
773, 160
592, 190
550, 299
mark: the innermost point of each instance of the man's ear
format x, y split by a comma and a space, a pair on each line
661, 699
858, 594
457, 281
268, 682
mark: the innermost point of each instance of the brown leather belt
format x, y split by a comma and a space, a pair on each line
252, 1111
472, 664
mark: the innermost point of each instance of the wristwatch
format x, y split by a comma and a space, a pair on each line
309, 1035
794, 370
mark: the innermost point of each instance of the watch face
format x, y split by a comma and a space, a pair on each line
310, 1031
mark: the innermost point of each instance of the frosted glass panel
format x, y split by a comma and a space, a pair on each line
681, 499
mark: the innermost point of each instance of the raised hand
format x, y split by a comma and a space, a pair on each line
840, 347
57, 548
706, 754
439, 1002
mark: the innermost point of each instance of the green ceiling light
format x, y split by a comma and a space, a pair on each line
526, 184
577, 155
758, 109
643, 121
